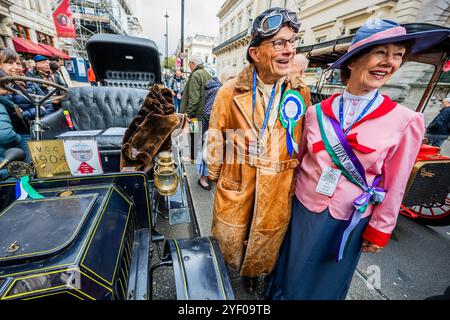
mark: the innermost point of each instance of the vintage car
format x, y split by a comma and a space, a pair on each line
94, 236
427, 197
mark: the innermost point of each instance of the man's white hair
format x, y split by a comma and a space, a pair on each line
196, 59
228, 73
301, 61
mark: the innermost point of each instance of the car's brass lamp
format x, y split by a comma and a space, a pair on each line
166, 177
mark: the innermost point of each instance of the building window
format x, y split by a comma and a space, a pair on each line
353, 31
321, 39
239, 23
249, 14
21, 31
44, 38
33, 4
232, 30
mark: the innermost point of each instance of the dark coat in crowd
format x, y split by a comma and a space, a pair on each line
193, 100
439, 129
28, 109
211, 89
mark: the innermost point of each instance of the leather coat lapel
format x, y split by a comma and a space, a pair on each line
244, 104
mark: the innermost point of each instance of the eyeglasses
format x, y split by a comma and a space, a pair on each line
272, 23
280, 44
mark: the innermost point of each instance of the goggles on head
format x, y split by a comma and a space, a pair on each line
273, 22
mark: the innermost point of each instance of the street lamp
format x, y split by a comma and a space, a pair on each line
182, 34
167, 39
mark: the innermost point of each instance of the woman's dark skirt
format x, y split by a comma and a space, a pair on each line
307, 267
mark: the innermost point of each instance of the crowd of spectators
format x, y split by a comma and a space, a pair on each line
16, 111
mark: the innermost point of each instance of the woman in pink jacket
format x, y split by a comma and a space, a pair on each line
358, 149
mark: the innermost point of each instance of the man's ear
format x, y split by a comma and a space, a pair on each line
254, 53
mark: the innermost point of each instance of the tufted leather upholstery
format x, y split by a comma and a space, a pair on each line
95, 108
103, 107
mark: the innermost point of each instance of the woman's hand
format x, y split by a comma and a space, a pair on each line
370, 247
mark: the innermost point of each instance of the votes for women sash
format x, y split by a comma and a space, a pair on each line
344, 158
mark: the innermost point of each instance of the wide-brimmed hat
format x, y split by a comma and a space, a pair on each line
380, 31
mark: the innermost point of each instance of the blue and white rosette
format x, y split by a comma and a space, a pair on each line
292, 108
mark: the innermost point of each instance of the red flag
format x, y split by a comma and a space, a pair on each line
62, 16
446, 67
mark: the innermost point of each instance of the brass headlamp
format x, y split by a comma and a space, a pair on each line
166, 177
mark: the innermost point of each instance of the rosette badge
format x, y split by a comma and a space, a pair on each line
292, 108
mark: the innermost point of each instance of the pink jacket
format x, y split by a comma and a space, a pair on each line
386, 141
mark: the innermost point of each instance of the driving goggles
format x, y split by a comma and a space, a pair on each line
273, 22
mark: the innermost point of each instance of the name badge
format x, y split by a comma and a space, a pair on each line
328, 181
253, 148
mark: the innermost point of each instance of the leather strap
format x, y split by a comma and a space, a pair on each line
277, 166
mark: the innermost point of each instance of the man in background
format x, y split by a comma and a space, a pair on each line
62, 72
439, 129
41, 71
300, 64
193, 100
91, 77
177, 86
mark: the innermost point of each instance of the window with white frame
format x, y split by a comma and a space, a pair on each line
239, 23
249, 14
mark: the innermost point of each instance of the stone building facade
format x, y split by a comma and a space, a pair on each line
30, 19
331, 19
235, 20
321, 20
200, 45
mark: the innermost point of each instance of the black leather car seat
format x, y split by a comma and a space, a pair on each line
97, 108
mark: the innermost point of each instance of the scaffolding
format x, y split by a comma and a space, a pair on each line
91, 17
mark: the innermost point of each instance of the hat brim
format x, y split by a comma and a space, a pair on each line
423, 41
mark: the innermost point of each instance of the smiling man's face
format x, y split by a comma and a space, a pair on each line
270, 63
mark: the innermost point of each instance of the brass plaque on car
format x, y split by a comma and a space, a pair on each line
49, 158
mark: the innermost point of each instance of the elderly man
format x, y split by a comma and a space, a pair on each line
300, 64
41, 71
193, 100
252, 204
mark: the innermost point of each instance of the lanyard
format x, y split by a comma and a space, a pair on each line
269, 106
363, 113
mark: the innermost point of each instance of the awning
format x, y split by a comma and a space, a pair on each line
25, 45
54, 51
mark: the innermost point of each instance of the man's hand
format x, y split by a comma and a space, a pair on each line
370, 247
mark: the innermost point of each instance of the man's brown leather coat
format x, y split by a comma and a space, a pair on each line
252, 205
